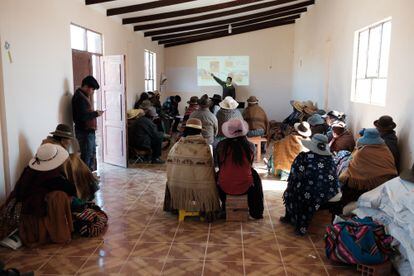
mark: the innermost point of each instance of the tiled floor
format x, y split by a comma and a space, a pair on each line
143, 240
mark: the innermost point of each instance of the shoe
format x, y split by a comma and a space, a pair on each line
158, 161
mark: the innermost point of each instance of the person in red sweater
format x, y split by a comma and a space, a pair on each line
236, 175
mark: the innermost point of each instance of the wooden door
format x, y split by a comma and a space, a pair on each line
82, 67
114, 105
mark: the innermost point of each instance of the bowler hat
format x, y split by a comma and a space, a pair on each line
63, 131
385, 123
193, 100
252, 100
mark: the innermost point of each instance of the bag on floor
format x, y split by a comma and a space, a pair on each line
9, 217
91, 222
358, 241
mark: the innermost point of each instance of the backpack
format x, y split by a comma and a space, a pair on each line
90, 222
358, 241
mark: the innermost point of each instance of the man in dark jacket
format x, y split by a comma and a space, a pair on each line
84, 117
385, 126
228, 87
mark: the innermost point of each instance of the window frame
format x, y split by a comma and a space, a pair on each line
86, 40
150, 64
355, 76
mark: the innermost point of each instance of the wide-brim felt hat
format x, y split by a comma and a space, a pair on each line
303, 129
315, 120
63, 131
318, 144
252, 100
371, 136
235, 128
229, 103
408, 175
134, 113
193, 100
216, 97
385, 123
194, 123
48, 157
204, 101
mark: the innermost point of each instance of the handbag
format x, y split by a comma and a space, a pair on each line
9, 217
91, 221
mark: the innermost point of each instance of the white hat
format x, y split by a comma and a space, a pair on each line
48, 157
303, 129
318, 144
229, 103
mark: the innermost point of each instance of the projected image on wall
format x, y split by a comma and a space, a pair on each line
236, 67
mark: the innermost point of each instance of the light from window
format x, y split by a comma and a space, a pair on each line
85, 40
150, 65
371, 64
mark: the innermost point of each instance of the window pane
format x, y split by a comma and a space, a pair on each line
379, 91
77, 38
385, 49
362, 91
362, 54
146, 59
94, 42
374, 51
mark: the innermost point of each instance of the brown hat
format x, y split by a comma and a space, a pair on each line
385, 123
204, 101
297, 105
408, 175
193, 100
194, 123
252, 100
63, 131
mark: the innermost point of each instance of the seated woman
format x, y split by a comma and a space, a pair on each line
317, 124
209, 121
331, 117
342, 138
256, 118
312, 183
236, 176
286, 150
385, 126
191, 181
45, 194
62, 136
143, 97
228, 110
371, 165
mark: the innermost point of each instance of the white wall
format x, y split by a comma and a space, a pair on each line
271, 54
38, 84
324, 39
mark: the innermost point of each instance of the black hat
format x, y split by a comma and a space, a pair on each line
216, 97
385, 123
204, 101
90, 81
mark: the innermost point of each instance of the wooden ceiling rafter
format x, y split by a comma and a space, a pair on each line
247, 29
145, 6
252, 20
92, 2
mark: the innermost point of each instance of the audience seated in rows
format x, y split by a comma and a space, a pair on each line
207, 118
216, 100
312, 183
385, 126
256, 118
236, 175
342, 139
191, 180
286, 150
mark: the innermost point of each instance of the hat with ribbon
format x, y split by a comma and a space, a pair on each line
48, 157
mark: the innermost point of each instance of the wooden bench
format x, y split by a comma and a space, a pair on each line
237, 208
257, 141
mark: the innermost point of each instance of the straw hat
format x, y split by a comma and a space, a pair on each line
385, 123
194, 123
235, 128
408, 175
63, 131
297, 105
318, 144
309, 107
371, 136
252, 100
303, 129
133, 113
315, 120
229, 103
193, 100
48, 157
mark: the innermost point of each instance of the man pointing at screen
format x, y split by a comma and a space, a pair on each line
228, 87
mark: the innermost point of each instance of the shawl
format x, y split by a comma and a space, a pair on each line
191, 177
224, 115
285, 152
343, 142
371, 166
256, 117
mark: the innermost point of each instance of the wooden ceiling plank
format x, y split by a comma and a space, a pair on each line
240, 31
220, 14
253, 20
235, 28
91, 2
145, 6
192, 11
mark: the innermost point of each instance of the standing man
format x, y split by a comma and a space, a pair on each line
228, 87
84, 117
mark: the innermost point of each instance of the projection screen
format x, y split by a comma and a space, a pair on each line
236, 67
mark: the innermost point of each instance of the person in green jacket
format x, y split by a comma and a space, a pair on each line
228, 87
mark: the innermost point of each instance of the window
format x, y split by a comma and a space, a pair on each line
85, 40
150, 65
371, 64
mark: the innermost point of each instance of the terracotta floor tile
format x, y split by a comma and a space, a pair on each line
45, 250
292, 240
308, 270
193, 226
264, 269
102, 266
157, 236
303, 256
114, 249
79, 248
224, 253
26, 263
220, 237
257, 226
151, 250
191, 237
187, 251
261, 254
342, 270
226, 226
62, 265
259, 239
141, 266
215, 268
183, 268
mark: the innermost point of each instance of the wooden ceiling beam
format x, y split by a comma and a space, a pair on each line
166, 15
253, 20
226, 21
91, 2
213, 15
247, 29
242, 25
145, 6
